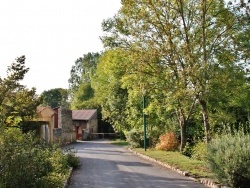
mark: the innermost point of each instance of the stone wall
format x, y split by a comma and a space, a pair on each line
66, 124
93, 126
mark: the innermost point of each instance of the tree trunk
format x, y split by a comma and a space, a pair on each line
205, 120
183, 127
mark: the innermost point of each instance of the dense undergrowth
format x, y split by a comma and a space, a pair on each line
26, 161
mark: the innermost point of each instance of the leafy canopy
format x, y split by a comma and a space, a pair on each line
17, 103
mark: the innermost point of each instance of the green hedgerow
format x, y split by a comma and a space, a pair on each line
229, 159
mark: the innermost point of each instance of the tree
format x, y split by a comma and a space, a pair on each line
82, 93
55, 97
109, 93
80, 80
176, 48
17, 103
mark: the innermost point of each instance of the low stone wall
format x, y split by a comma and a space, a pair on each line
68, 137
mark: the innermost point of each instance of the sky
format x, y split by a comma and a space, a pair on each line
52, 34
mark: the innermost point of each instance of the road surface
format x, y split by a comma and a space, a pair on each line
104, 165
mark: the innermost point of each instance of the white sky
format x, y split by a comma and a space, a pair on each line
52, 34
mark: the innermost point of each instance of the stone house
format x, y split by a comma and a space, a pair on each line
85, 123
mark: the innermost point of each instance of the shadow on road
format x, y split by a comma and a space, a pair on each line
106, 165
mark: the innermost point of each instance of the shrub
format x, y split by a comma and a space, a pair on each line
229, 159
73, 160
168, 141
154, 135
188, 150
135, 138
52, 180
27, 162
200, 151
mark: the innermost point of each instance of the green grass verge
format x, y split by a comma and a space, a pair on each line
175, 159
119, 142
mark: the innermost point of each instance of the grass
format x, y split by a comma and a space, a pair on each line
119, 142
176, 159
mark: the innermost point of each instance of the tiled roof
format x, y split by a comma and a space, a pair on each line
84, 114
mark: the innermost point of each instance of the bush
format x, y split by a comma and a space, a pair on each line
188, 150
27, 162
135, 138
199, 151
154, 135
73, 160
229, 159
168, 142
52, 180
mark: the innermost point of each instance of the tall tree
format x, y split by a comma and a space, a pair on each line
17, 103
177, 48
82, 93
80, 80
108, 88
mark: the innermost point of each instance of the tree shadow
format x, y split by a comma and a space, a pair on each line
99, 173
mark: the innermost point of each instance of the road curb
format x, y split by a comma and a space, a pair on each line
205, 181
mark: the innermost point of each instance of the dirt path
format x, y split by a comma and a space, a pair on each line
105, 165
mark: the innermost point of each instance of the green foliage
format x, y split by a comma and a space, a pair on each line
188, 150
83, 97
135, 138
109, 93
120, 142
83, 70
73, 160
199, 151
17, 103
52, 180
27, 162
189, 56
182, 69
229, 159
154, 135
80, 89
55, 98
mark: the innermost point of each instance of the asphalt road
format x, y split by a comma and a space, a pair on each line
107, 166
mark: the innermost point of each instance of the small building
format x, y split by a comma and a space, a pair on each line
85, 123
